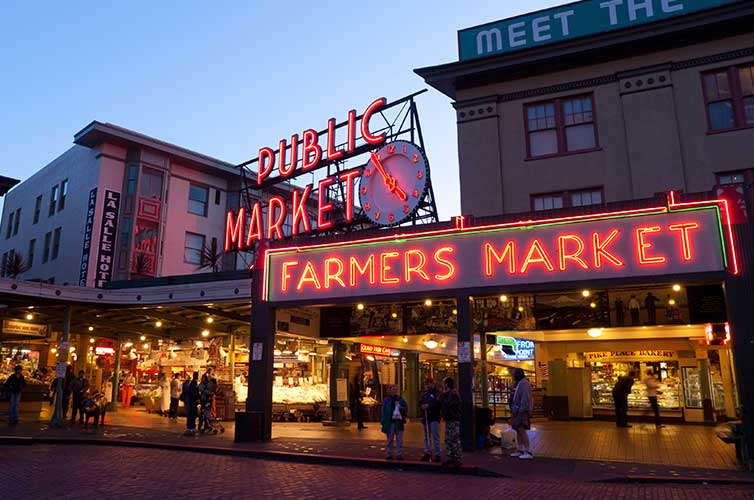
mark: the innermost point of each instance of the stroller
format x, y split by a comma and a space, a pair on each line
209, 424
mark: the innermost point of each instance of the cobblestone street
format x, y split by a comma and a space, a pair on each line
89, 472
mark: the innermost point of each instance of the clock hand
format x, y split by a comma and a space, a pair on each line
390, 181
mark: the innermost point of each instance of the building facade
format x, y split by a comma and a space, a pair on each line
613, 116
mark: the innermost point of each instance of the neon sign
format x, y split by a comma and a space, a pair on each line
378, 350
636, 243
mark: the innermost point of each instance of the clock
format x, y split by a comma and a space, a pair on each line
393, 183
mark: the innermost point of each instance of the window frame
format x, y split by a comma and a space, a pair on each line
62, 194
46, 248
30, 253
566, 196
737, 97
37, 209
9, 228
206, 199
733, 173
54, 195
185, 247
56, 236
17, 222
560, 127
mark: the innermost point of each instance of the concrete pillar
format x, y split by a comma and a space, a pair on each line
116, 375
255, 424
729, 387
413, 384
706, 389
57, 415
466, 371
338, 375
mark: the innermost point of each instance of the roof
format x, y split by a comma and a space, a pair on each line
646, 38
6, 183
97, 133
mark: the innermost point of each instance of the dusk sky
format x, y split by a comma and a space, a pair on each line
225, 78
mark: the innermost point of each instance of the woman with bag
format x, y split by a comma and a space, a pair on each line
393, 419
521, 408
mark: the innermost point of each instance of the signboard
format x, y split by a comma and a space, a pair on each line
648, 242
341, 385
104, 351
257, 348
629, 356
88, 228
15, 327
60, 368
379, 350
107, 234
464, 352
515, 349
570, 21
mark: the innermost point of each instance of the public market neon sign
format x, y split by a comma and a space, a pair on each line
680, 238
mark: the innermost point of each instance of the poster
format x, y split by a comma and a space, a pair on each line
256, 351
464, 352
342, 389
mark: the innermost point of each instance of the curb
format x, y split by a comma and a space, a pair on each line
638, 479
282, 456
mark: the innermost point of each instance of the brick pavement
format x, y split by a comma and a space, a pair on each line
83, 472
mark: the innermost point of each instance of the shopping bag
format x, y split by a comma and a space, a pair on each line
508, 439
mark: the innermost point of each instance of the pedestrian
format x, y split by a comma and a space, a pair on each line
429, 403
450, 403
13, 387
650, 303
653, 386
67, 381
620, 312
175, 394
128, 390
164, 385
79, 388
191, 399
521, 407
393, 420
357, 415
620, 396
634, 308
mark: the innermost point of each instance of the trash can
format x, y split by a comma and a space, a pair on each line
250, 427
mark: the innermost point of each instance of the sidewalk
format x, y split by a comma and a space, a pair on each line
314, 443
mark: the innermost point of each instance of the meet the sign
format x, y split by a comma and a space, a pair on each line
14, 327
88, 228
107, 234
616, 245
569, 21
642, 355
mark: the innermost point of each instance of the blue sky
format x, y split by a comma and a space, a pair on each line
224, 78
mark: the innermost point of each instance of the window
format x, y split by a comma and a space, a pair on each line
198, 200
46, 252
53, 200
63, 194
37, 209
16, 222
566, 199
217, 196
9, 229
55, 244
561, 126
151, 184
30, 256
729, 98
192, 249
730, 178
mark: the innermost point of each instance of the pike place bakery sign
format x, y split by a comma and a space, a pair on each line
640, 243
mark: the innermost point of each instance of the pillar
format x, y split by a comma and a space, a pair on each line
466, 371
413, 384
706, 389
57, 415
729, 387
338, 376
483, 384
116, 374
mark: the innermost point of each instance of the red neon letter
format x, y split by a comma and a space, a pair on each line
564, 255
642, 246
418, 268
601, 251
274, 222
299, 210
322, 207
385, 267
509, 252
285, 171
311, 145
348, 178
255, 225
537, 247
334, 276
365, 134
234, 230
451, 269
264, 163
355, 267
332, 153
684, 229
309, 276
351, 130
286, 276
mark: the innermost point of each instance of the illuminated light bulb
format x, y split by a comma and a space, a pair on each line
91, 328
370, 358
530, 363
145, 346
199, 343
210, 320
360, 307
158, 324
404, 339
128, 344
143, 338
72, 349
503, 298
676, 287
431, 344
594, 332
30, 316
394, 315
520, 308
671, 302
443, 344
53, 350
586, 293
91, 340
592, 305
205, 333
428, 302
455, 312
277, 352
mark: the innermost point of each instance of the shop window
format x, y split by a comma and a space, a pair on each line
586, 198
37, 209
198, 197
55, 244
63, 194
9, 228
729, 98
46, 251
54, 193
192, 249
30, 256
561, 126
547, 202
16, 222
730, 178
566, 199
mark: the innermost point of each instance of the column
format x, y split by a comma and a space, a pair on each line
466, 371
338, 377
413, 384
116, 374
63, 349
729, 389
706, 386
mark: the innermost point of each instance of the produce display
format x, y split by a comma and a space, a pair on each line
317, 393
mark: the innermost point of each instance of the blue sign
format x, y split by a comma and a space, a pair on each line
569, 21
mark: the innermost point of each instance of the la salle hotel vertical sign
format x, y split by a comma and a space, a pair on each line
106, 245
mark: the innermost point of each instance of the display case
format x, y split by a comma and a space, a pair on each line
692, 387
605, 375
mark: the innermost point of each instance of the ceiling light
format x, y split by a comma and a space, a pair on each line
671, 302
128, 344
455, 312
370, 358
205, 333
520, 308
72, 349
428, 302
53, 350
30, 316
91, 340
287, 351
594, 332
431, 344
143, 338
158, 324
199, 343
404, 339
145, 346
585, 293
503, 298
593, 305
443, 344
277, 352
360, 307
210, 320
91, 328
394, 315
676, 287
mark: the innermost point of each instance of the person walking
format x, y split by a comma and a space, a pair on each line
78, 391
14, 385
191, 399
175, 395
650, 303
522, 405
128, 390
164, 385
620, 396
357, 415
393, 419
653, 389
450, 404
429, 403
67, 381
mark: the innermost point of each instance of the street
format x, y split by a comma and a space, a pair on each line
89, 472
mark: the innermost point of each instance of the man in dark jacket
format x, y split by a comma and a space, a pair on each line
79, 387
429, 403
450, 403
13, 386
620, 396
191, 398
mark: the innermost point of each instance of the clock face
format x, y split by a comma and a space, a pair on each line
393, 183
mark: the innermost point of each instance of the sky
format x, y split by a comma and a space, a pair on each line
225, 78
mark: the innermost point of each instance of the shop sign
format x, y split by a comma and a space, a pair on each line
570, 21
641, 355
646, 242
379, 350
107, 233
515, 349
14, 327
88, 228
104, 351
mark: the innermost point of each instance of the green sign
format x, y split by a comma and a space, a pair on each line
569, 21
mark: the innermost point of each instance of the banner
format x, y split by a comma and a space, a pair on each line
630, 356
14, 327
107, 234
88, 228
